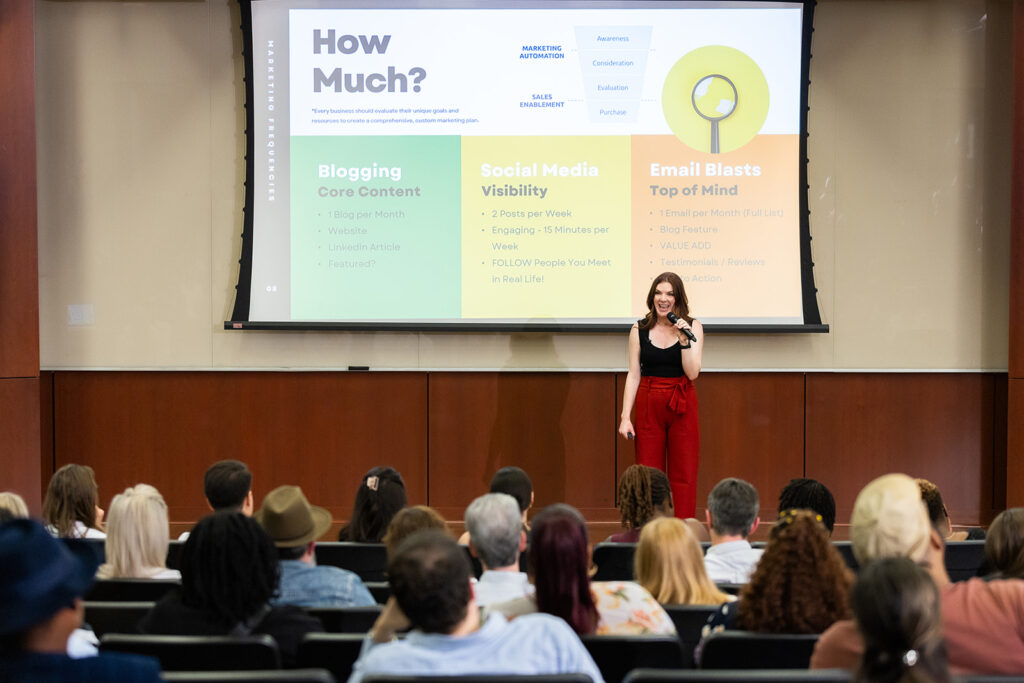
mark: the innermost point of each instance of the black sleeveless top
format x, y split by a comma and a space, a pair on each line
658, 362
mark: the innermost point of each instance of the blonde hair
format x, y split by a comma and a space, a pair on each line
137, 534
13, 505
890, 520
670, 565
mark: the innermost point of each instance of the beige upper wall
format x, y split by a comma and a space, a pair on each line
140, 134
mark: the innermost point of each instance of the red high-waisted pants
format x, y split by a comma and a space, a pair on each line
668, 436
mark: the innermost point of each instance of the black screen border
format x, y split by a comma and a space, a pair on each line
243, 289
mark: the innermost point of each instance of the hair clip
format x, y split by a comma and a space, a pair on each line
789, 516
910, 657
372, 482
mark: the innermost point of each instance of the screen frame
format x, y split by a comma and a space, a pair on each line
243, 288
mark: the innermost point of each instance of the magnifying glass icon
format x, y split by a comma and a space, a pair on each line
714, 99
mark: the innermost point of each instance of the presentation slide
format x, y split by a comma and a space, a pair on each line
525, 163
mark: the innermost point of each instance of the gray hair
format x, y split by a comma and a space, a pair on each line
733, 505
495, 527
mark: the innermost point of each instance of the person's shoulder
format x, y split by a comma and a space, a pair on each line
123, 667
839, 647
539, 625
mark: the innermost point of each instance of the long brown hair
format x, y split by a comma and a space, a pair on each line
681, 308
801, 584
1004, 544
72, 496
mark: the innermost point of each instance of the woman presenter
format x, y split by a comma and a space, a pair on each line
664, 359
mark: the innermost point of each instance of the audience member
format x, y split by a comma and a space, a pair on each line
12, 506
515, 482
897, 611
644, 494
801, 584
138, 535
380, 496
559, 559
939, 515
71, 507
430, 580
1004, 545
669, 564
229, 573
227, 486
809, 494
731, 516
496, 536
983, 622
408, 521
42, 582
294, 525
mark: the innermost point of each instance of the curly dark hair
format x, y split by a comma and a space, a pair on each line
801, 584
229, 567
641, 490
810, 494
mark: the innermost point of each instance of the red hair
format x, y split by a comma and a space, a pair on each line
559, 560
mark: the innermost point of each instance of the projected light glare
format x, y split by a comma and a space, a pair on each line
714, 99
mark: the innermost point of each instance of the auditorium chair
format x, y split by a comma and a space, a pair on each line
200, 653
271, 676
689, 620
963, 558
174, 554
380, 590
346, 619
616, 656
614, 561
734, 676
336, 652
368, 560
749, 650
115, 617
130, 590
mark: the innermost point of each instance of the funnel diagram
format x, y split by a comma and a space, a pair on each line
613, 60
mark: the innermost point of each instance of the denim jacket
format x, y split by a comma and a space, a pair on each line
308, 585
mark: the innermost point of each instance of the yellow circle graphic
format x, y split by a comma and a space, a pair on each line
715, 99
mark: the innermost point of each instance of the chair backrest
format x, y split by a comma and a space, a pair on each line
730, 588
272, 676
174, 554
368, 560
749, 650
845, 549
130, 590
200, 653
470, 678
346, 619
97, 545
689, 620
963, 558
723, 676
614, 561
115, 617
616, 656
380, 590
336, 652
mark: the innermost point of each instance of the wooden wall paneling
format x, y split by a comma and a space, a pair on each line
1015, 444
19, 440
936, 426
19, 270
1000, 432
318, 430
1015, 426
751, 427
557, 426
46, 453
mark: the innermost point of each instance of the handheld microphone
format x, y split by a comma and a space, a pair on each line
673, 318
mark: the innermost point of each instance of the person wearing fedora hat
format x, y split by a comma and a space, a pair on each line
42, 581
294, 525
